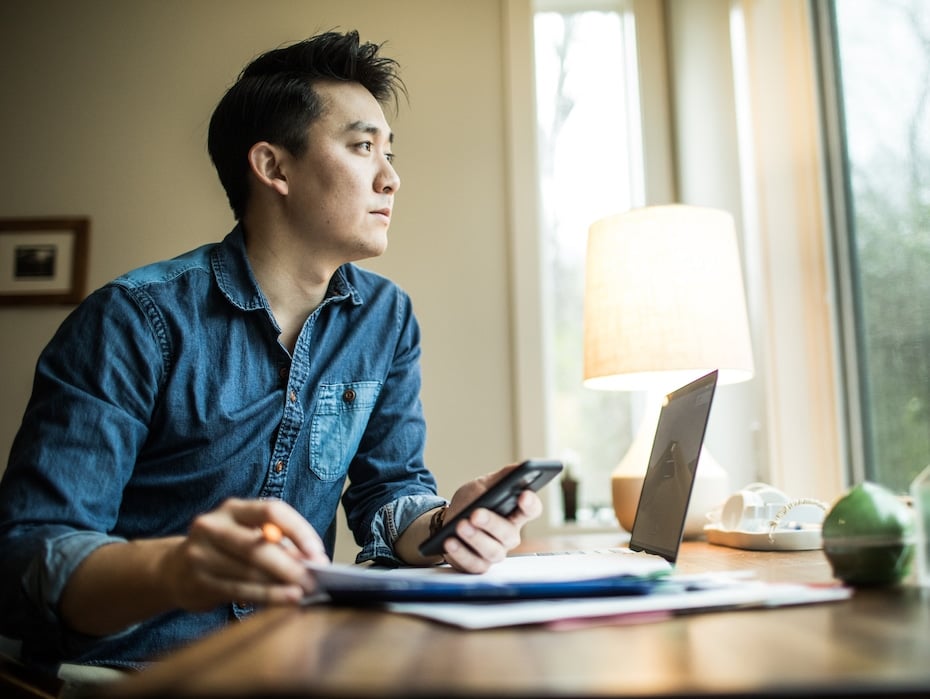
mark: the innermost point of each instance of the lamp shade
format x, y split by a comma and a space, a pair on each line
664, 300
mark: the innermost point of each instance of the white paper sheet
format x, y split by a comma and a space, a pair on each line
726, 595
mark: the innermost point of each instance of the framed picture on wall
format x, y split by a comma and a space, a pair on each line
43, 260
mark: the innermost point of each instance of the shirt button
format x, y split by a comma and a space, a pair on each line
278, 467
349, 395
293, 397
284, 372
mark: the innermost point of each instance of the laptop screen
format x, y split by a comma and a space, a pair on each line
663, 502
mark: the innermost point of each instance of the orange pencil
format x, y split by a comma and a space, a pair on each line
272, 533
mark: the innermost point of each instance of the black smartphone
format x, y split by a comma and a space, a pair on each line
500, 498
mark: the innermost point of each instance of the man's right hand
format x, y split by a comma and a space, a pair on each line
224, 558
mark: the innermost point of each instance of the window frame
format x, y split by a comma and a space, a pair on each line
791, 272
837, 198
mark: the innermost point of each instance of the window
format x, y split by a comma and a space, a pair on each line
740, 97
590, 165
875, 64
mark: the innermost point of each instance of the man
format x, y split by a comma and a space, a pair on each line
189, 403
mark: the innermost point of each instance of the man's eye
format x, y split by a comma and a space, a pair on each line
390, 157
366, 145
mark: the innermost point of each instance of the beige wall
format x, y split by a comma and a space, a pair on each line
105, 109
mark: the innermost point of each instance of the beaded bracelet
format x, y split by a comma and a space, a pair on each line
435, 522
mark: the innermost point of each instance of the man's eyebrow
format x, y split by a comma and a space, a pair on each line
368, 127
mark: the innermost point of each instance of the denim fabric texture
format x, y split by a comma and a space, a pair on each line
166, 392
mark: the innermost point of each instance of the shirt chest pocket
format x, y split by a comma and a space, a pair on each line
339, 421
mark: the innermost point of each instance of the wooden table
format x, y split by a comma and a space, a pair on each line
875, 644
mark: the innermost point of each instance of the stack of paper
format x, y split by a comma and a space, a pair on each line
551, 588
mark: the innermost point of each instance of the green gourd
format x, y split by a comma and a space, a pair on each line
868, 536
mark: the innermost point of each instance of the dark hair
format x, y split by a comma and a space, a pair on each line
273, 100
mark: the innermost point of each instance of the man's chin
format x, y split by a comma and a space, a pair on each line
371, 249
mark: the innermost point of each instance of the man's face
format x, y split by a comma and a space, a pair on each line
341, 190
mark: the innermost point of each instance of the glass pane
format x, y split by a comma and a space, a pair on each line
883, 49
588, 136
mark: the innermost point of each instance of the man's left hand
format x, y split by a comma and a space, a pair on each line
485, 537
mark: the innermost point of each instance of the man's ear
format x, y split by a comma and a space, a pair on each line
265, 161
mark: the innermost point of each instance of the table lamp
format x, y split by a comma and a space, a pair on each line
664, 304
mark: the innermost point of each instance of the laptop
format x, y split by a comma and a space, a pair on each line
636, 569
669, 481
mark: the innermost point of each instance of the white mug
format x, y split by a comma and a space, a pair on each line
752, 508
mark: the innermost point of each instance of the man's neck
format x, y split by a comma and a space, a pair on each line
290, 278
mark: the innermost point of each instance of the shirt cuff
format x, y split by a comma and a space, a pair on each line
390, 522
46, 577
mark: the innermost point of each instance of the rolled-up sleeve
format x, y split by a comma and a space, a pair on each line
46, 576
61, 494
390, 522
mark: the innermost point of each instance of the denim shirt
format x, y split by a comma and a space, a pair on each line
166, 392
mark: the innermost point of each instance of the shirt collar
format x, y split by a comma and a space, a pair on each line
235, 279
